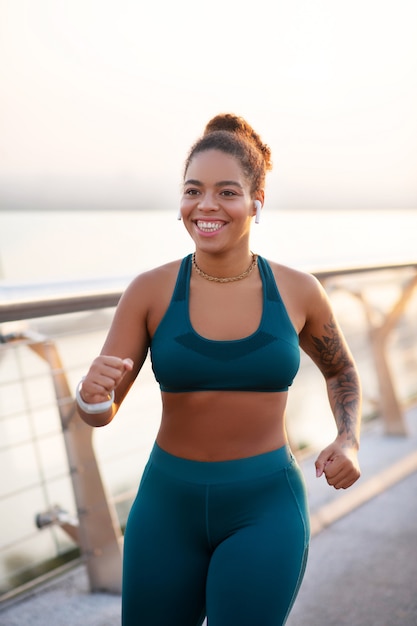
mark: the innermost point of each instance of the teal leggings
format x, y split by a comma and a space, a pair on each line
224, 539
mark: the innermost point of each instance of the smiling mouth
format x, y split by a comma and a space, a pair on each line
209, 227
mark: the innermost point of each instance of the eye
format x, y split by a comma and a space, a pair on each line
228, 193
191, 192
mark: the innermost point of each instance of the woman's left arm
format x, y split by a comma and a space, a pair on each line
322, 339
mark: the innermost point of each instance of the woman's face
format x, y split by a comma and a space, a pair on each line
216, 206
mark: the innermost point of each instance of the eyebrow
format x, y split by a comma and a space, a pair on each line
221, 183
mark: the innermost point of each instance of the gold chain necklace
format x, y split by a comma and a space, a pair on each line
231, 279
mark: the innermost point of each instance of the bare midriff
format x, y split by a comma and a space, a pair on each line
222, 425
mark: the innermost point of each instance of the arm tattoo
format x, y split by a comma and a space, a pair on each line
343, 383
330, 349
344, 390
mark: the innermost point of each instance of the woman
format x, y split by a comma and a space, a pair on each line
220, 524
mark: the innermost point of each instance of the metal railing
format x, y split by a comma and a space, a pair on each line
360, 283
96, 526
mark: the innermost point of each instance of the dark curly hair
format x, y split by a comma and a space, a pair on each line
232, 135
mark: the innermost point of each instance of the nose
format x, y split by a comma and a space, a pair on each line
208, 202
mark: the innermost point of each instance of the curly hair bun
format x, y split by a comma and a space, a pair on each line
238, 125
229, 122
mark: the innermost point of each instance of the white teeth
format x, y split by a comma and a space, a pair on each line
209, 227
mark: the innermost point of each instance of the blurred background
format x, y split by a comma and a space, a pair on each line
100, 101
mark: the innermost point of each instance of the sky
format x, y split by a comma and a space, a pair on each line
100, 100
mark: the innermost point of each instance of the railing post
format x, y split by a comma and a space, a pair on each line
99, 532
391, 411
392, 414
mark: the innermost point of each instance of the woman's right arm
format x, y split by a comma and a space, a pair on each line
121, 357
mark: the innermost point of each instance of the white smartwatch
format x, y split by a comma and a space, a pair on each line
98, 407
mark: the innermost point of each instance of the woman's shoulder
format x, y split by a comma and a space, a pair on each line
151, 287
303, 294
293, 276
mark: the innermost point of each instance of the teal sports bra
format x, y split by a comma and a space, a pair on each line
184, 361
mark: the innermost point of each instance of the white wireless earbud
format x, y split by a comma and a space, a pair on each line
258, 207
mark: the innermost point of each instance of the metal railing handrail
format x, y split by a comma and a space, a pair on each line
363, 269
28, 301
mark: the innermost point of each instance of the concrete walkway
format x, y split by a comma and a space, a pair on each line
362, 569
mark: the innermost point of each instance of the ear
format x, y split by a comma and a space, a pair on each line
259, 198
